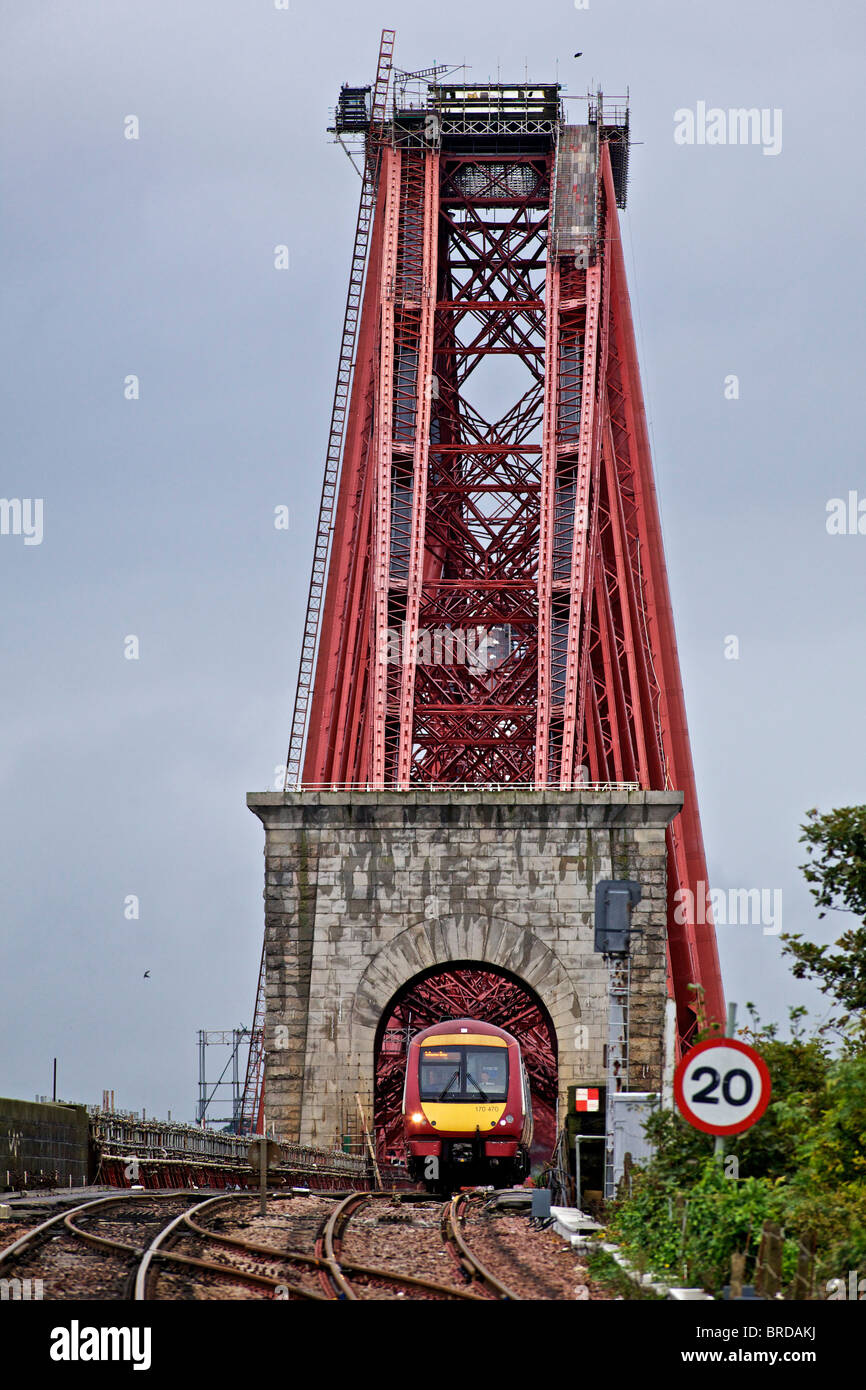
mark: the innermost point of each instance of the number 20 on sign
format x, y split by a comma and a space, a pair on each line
722, 1086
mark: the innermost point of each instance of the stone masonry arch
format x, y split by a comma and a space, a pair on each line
465, 989
480, 938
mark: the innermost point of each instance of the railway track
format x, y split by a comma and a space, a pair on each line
345, 1277
229, 1261
178, 1246
453, 1221
68, 1251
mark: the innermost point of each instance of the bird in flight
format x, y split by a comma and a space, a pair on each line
146, 975
579, 55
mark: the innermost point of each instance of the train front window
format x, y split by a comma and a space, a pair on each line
440, 1068
463, 1073
487, 1070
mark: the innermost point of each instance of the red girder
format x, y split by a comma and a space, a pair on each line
541, 524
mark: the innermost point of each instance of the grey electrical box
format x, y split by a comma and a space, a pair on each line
541, 1200
614, 900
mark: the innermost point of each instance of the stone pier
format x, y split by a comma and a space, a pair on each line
364, 891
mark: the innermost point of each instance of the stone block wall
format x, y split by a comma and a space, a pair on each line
366, 890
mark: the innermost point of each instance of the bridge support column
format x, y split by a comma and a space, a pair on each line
366, 890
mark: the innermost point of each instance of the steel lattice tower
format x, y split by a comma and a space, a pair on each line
489, 601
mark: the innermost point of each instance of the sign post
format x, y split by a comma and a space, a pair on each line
263, 1154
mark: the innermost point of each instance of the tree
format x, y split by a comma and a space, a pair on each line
836, 869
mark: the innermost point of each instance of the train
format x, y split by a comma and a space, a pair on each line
467, 1108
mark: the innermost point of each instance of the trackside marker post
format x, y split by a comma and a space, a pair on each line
263, 1154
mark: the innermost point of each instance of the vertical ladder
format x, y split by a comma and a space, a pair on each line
619, 985
252, 1107
339, 408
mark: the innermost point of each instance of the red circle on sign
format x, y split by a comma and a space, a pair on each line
707, 1126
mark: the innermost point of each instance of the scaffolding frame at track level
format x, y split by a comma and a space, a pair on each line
524, 518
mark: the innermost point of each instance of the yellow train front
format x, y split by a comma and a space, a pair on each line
467, 1112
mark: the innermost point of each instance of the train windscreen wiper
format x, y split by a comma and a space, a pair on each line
470, 1077
450, 1084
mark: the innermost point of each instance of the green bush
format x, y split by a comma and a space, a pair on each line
802, 1165
837, 1219
690, 1235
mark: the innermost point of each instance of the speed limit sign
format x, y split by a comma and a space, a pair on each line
722, 1086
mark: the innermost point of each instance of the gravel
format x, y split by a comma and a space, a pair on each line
534, 1264
399, 1236
402, 1238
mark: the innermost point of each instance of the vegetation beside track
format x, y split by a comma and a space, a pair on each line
604, 1271
803, 1165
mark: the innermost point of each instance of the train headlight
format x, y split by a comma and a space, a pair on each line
417, 1118
509, 1119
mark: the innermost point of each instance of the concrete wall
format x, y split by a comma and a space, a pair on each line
43, 1138
365, 890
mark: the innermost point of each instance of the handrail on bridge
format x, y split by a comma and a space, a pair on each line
463, 787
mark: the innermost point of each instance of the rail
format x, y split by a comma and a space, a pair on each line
453, 1218
66, 1219
335, 1268
156, 1252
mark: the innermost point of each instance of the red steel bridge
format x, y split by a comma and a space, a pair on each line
489, 601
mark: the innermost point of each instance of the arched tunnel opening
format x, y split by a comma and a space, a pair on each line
465, 989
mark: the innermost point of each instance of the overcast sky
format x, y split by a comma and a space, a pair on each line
154, 257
